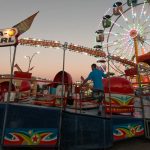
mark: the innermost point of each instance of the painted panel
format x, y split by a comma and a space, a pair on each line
125, 131
31, 137
120, 103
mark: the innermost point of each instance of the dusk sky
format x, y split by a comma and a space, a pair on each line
72, 21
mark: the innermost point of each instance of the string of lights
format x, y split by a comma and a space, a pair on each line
72, 47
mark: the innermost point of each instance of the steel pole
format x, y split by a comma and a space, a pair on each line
8, 96
65, 46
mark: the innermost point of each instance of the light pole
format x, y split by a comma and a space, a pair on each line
30, 59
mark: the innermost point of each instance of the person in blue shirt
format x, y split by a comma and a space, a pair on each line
96, 75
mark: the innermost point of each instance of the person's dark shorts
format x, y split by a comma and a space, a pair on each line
98, 95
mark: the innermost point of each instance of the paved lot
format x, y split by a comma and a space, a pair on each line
132, 144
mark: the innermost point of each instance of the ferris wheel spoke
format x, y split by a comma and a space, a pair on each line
134, 14
122, 45
141, 13
142, 10
145, 12
116, 50
146, 33
126, 20
120, 26
146, 29
116, 34
113, 43
146, 21
147, 43
116, 41
129, 55
132, 10
122, 54
116, 68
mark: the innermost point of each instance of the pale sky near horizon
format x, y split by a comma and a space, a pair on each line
72, 21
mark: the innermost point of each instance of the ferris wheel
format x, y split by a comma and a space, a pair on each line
125, 32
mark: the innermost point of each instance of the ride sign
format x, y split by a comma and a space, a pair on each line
8, 37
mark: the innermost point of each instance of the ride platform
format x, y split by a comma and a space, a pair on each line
41, 126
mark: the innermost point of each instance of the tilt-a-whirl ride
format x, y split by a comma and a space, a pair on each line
60, 115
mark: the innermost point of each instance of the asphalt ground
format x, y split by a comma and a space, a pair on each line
138, 143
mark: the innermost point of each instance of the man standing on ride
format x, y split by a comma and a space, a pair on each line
96, 76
